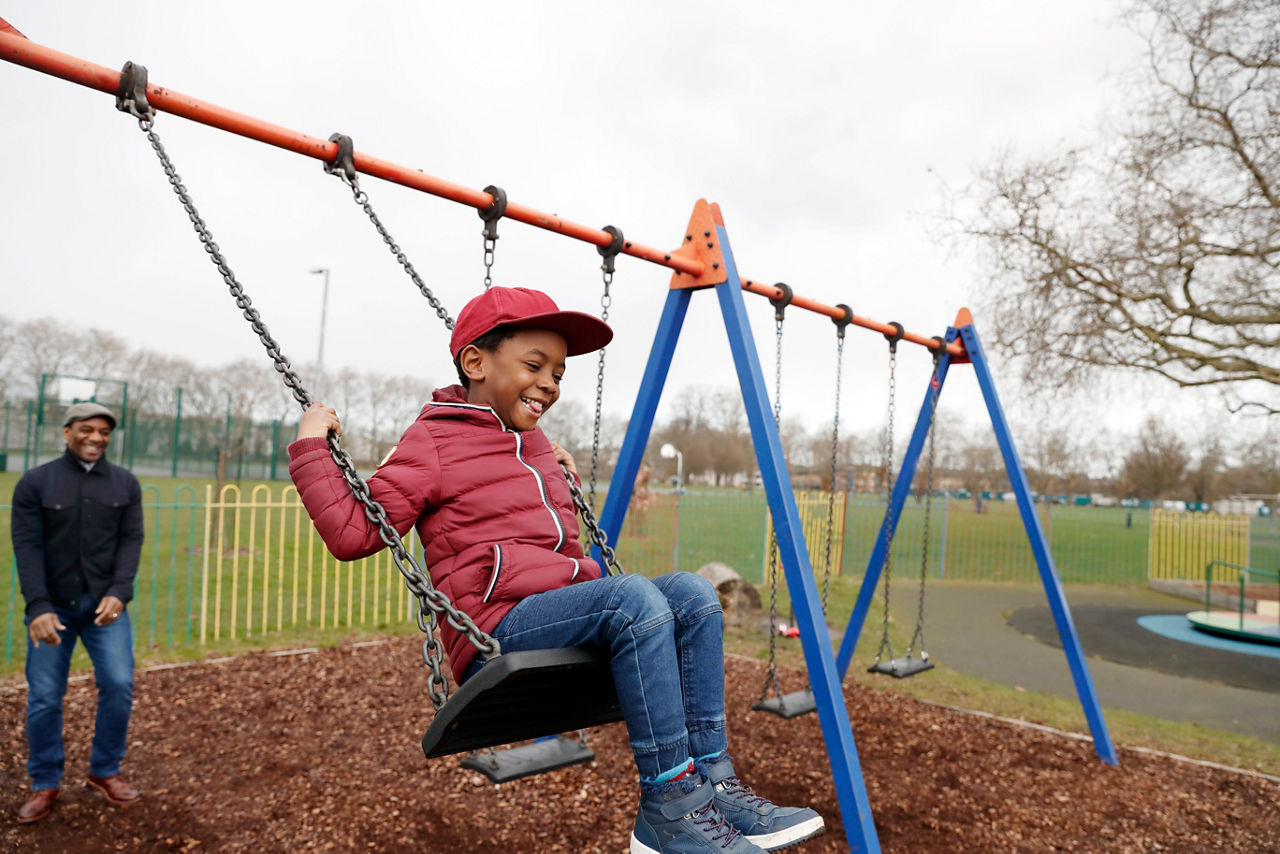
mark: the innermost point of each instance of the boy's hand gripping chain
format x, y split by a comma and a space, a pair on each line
131, 98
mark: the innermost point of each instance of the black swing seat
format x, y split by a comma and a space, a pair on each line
901, 668
522, 695
536, 757
789, 706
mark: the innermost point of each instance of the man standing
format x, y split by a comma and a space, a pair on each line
77, 536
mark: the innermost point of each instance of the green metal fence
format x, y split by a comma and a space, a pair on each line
259, 553
179, 443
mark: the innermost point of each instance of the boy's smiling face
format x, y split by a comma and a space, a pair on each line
521, 379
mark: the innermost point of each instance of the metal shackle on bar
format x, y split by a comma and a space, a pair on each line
610, 251
131, 94
842, 322
782, 300
494, 212
343, 163
894, 337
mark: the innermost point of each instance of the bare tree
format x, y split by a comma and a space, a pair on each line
1156, 465
981, 467
1205, 480
46, 346
8, 342
1159, 251
1259, 469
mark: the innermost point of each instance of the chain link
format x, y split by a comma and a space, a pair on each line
885, 646
605, 301
431, 602
593, 527
362, 199
835, 451
489, 245
771, 679
917, 637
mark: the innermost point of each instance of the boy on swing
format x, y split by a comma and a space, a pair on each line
493, 509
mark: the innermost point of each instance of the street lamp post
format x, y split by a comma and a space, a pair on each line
668, 451
324, 311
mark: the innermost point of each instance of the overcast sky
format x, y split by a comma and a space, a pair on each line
828, 133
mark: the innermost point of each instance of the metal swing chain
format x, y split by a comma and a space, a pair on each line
431, 603
918, 634
835, 450
609, 253
885, 645
771, 680
494, 212
593, 527
344, 167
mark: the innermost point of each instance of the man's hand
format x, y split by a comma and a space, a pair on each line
563, 457
45, 628
317, 421
108, 611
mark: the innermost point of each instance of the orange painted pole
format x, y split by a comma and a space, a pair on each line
19, 50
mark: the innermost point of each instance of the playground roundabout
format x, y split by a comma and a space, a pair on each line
319, 751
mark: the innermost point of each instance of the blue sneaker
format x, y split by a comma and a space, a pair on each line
680, 818
761, 822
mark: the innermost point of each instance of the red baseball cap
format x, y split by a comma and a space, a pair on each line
528, 308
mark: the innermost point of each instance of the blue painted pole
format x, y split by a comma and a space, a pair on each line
638, 428
837, 732
902, 486
1040, 548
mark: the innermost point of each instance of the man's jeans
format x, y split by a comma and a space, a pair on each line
666, 640
110, 648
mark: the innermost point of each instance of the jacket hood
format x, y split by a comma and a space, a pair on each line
451, 402
449, 394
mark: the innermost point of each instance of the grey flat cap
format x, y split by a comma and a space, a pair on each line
85, 411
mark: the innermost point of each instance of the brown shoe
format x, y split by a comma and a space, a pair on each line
39, 805
116, 790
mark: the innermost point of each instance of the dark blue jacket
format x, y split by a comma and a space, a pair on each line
76, 532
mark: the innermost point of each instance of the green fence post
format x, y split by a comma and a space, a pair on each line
942, 539
177, 433
275, 446
4, 452
26, 446
124, 412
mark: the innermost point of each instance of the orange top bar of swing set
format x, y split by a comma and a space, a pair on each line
19, 50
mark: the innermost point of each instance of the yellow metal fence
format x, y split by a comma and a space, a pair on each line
1182, 544
816, 508
264, 569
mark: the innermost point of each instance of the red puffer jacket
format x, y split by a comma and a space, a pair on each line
492, 508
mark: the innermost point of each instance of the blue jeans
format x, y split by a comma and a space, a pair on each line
110, 648
666, 641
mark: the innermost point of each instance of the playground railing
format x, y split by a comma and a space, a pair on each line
1245, 576
244, 568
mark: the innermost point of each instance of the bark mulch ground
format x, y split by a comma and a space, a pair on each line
320, 751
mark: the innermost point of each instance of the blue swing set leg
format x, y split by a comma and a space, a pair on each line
833, 716
974, 353
825, 670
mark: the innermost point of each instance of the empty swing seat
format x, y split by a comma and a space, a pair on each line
902, 667
788, 706
522, 695
536, 757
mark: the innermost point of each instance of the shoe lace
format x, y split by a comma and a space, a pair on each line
738, 790
715, 826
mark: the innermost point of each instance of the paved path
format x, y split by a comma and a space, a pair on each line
967, 630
